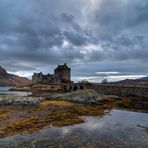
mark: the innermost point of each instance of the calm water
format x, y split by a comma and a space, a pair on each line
115, 130
5, 91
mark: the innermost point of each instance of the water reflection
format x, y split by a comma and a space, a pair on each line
4, 88
5, 91
117, 129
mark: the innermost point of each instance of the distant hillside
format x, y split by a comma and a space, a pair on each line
141, 82
7, 79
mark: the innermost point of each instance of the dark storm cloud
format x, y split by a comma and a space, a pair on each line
121, 29
34, 39
42, 32
120, 15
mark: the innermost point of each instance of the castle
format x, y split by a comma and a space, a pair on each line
62, 75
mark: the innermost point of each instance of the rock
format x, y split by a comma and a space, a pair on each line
80, 96
25, 89
20, 101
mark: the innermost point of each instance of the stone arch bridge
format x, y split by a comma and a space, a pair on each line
77, 86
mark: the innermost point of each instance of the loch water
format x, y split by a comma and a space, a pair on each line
5, 91
117, 129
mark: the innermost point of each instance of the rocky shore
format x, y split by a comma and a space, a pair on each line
20, 101
88, 97
32, 113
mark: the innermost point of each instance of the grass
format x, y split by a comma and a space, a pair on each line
58, 103
47, 114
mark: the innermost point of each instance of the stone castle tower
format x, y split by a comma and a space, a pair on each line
62, 74
63, 71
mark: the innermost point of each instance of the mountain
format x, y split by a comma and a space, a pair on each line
7, 79
140, 82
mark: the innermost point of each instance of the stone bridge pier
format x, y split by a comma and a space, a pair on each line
77, 86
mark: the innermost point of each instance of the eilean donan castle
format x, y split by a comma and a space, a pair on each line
62, 75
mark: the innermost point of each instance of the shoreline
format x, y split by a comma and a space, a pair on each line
60, 109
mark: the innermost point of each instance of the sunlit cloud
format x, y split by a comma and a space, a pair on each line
110, 78
108, 73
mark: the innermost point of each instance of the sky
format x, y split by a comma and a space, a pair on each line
97, 38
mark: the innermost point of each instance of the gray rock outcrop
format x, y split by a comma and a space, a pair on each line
20, 101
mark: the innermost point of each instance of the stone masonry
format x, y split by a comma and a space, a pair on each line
62, 75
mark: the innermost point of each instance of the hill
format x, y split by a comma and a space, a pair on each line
7, 79
140, 82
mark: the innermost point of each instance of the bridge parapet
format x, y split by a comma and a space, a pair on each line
119, 90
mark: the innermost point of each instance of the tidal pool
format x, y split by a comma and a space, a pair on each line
119, 128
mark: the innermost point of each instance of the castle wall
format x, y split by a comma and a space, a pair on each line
37, 78
51, 87
64, 72
61, 75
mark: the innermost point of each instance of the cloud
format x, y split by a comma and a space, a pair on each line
110, 72
106, 35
